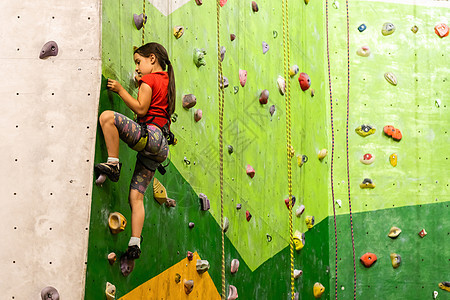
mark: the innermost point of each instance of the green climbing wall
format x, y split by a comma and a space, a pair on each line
258, 139
414, 194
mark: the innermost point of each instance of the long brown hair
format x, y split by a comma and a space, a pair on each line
163, 59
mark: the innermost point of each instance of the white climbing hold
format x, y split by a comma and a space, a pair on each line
339, 202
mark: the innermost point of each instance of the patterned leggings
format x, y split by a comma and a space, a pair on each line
154, 153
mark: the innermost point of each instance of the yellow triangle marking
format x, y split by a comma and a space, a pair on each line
164, 287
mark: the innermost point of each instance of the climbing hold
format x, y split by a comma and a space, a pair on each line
299, 240
226, 224
188, 286
444, 285
394, 232
393, 159
367, 159
225, 82
112, 258
236, 89
234, 265
393, 132
414, 29
286, 201
269, 237
117, 222
364, 51
160, 193
368, 259
191, 225
126, 265
265, 47
177, 278
292, 151
318, 290
198, 115
202, 265
365, 130
309, 220
242, 77
254, 6
238, 206
232, 292
49, 49
178, 31
199, 57
300, 210
339, 202
390, 77
49, 293
301, 159
248, 216
222, 3
189, 101
204, 201
264, 97
281, 85
367, 184
272, 110
322, 154
312, 92
396, 259
186, 161
222, 53
250, 171
298, 273
441, 30
437, 102
362, 27
388, 28
110, 291
293, 70
139, 20
306, 2
232, 37
422, 233
199, 2
435, 294
190, 255
336, 4
230, 149
305, 81
275, 34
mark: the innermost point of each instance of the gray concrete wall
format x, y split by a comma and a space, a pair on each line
48, 124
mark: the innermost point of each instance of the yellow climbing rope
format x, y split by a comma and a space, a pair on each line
221, 95
143, 24
287, 96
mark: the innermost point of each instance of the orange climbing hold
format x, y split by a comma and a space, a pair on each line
441, 30
368, 259
393, 132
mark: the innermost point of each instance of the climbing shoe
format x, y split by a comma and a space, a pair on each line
109, 169
133, 252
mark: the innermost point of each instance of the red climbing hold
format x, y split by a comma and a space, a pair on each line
368, 259
441, 30
305, 81
222, 3
250, 171
264, 97
190, 255
232, 37
248, 215
286, 201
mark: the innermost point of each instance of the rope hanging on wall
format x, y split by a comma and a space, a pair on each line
287, 97
143, 25
332, 155
221, 96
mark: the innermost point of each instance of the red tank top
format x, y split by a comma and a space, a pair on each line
159, 82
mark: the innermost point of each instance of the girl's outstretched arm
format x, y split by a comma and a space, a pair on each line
140, 105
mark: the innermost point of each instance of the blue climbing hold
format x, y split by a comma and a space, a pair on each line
362, 27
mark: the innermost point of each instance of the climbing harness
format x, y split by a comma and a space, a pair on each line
221, 95
332, 154
286, 48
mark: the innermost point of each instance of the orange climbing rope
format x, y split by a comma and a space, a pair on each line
287, 97
332, 154
221, 95
143, 24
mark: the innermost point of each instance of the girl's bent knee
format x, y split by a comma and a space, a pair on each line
106, 116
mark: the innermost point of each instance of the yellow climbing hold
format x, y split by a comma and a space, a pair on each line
318, 290
160, 194
116, 222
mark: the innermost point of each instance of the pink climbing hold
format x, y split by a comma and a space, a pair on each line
222, 3
250, 171
232, 292
198, 115
441, 30
242, 77
190, 255
234, 266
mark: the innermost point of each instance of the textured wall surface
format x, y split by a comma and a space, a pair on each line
49, 110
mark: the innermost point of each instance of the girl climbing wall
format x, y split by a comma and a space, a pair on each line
149, 136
